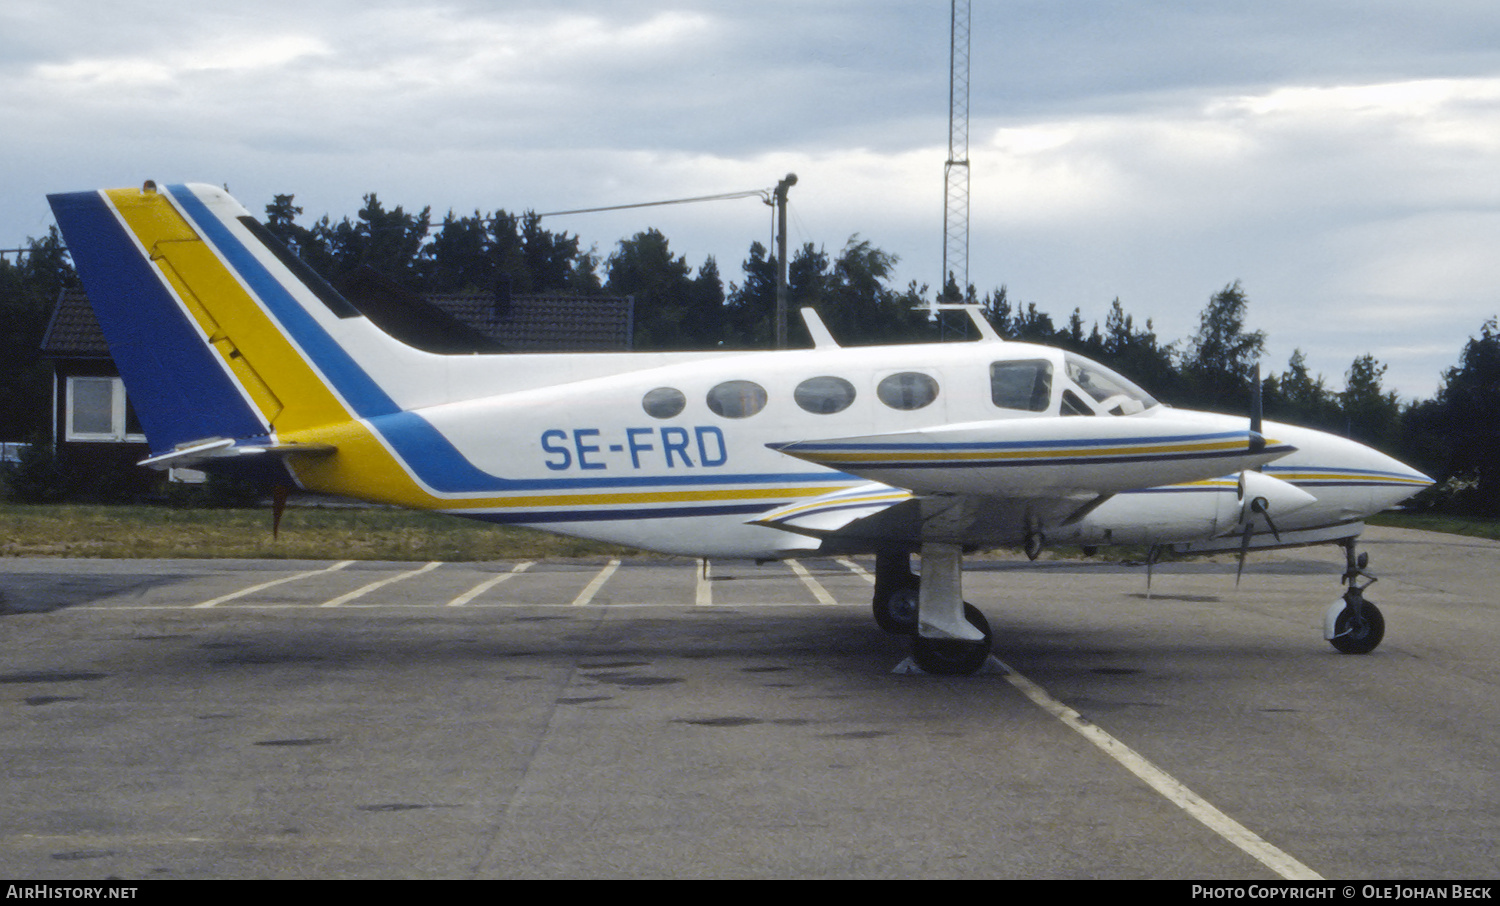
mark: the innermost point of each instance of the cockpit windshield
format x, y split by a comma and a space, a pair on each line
1111, 393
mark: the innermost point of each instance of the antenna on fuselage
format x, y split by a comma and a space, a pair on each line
976, 315
822, 338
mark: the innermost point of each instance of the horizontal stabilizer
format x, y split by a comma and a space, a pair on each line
194, 454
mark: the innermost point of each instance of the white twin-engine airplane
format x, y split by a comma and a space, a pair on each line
236, 355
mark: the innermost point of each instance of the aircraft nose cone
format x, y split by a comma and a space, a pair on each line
1406, 481
1350, 480
1388, 480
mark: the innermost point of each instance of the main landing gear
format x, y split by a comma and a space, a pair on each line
949, 637
1353, 624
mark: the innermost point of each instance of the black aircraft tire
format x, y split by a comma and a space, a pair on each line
954, 657
1362, 640
897, 613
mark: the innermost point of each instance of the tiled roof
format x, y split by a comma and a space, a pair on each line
525, 324
546, 323
74, 331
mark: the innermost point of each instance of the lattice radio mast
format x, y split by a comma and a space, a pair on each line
956, 170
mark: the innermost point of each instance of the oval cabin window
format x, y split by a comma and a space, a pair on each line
737, 399
907, 390
664, 402
824, 395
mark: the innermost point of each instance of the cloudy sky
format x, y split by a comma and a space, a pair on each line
1340, 159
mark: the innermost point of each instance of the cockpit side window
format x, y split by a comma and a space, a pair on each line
1112, 394
1072, 405
1025, 385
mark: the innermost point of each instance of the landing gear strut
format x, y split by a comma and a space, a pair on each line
1354, 624
950, 637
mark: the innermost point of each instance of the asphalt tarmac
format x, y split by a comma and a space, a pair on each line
643, 719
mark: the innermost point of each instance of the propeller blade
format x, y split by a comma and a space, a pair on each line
1244, 549
1257, 420
1259, 505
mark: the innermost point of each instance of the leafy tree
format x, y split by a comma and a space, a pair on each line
1372, 416
1219, 363
1137, 353
28, 291
750, 306
1298, 398
1457, 435
388, 242
644, 267
996, 308
1033, 326
549, 257
460, 257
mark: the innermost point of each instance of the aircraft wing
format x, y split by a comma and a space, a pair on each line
1045, 457
880, 513
831, 514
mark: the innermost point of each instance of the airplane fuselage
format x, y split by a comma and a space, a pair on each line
681, 453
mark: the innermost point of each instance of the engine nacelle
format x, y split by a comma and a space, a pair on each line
1185, 512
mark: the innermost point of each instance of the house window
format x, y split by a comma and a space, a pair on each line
98, 411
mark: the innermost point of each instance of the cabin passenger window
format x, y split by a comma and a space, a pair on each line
664, 402
737, 399
907, 390
824, 395
1021, 385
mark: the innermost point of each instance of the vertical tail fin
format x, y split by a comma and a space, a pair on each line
180, 385
217, 330
226, 342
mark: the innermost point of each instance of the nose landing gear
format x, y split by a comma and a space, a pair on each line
1354, 625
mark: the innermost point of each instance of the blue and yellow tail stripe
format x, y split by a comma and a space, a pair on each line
180, 388
167, 274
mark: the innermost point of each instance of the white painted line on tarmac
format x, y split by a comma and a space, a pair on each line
597, 583
490, 583
1167, 785
274, 582
703, 595
813, 585
857, 570
360, 592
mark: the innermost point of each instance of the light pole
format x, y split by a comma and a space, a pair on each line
780, 201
